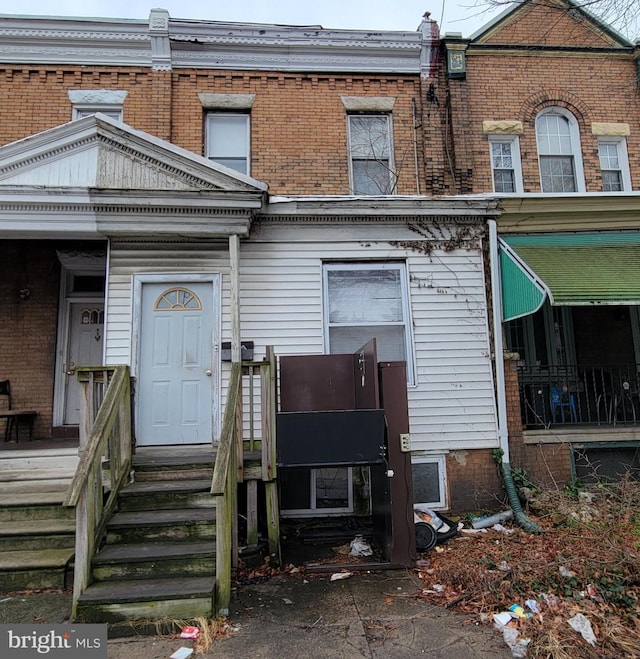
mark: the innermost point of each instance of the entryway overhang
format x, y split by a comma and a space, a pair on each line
589, 268
96, 178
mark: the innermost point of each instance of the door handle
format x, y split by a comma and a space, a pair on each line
208, 372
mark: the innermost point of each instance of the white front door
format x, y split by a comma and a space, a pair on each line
176, 374
84, 348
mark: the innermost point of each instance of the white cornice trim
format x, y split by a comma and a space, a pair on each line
384, 207
164, 43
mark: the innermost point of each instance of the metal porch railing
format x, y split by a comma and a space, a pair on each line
579, 395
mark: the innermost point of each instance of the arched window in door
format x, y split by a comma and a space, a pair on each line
177, 299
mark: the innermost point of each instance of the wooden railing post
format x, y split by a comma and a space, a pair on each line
269, 404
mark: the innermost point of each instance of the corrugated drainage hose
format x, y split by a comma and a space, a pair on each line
514, 501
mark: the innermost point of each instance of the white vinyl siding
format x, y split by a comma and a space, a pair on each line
451, 404
127, 259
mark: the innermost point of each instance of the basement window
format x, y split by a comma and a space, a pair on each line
429, 481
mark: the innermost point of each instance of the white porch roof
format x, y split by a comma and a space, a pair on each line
97, 177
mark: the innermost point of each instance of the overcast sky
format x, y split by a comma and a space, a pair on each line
464, 16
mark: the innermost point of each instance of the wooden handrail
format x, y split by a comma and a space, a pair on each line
226, 445
109, 434
224, 486
102, 425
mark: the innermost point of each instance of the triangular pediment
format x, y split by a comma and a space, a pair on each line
97, 152
549, 23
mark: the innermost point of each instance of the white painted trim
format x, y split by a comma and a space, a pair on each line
216, 323
442, 478
576, 145
314, 511
623, 158
62, 336
402, 268
516, 162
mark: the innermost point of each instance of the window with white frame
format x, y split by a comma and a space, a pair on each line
365, 301
505, 163
370, 154
227, 140
559, 151
86, 102
305, 492
614, 164
429, 481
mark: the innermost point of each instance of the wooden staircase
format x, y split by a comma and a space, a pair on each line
162, 546
37, 534
158, 561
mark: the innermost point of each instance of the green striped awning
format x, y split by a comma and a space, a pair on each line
572, 269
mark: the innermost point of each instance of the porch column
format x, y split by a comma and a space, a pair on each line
234, 277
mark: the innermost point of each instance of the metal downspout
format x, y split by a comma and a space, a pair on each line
501, 397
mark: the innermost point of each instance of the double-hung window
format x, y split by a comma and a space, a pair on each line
559, 151
505, 163
370, 154
365, 301
614, 164
227, 140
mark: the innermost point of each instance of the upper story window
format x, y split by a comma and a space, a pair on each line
370, 154
365, 301
505, 163
227, 140
89, 101
614, 164
559, 151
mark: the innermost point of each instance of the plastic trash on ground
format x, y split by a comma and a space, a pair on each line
336, 576
182, 653
189, 632
359, 547
581, 624
423, 514
488, 522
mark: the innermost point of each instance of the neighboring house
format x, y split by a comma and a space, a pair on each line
545, 115
284, 191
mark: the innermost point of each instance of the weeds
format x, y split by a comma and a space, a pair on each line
587, 561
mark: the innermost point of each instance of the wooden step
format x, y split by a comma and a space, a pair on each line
25, 535
29, 570
34, 505
174, 466
155, 526
37, 486
171, 494
59, 473
148, 599
146, 561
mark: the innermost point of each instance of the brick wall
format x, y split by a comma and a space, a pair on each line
299, 125
516, 84
28, 327
474, 481
547, 465
298, 122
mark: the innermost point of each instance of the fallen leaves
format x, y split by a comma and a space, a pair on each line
581, 571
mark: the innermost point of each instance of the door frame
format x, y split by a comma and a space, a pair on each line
66, 299
216, 305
